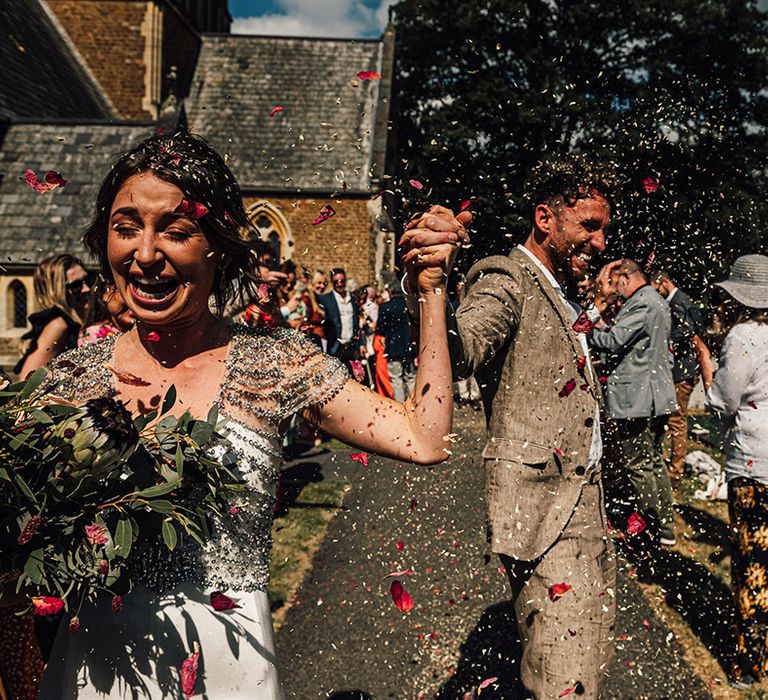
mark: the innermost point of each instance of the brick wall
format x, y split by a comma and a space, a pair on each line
108, 36
347, 240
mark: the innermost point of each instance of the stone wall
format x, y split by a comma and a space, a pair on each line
109, 36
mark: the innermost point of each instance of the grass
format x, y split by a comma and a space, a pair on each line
297, 535
692, 590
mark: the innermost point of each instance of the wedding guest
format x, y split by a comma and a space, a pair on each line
315, 315
172, 266
62, 286
106, 314
544, 500
691, 357
342, 325
640, 391
739, 397
400, 352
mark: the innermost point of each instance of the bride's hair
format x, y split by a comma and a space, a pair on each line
189, 162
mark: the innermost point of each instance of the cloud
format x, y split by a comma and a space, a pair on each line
318, 18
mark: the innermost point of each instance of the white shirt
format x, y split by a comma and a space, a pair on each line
347, 313
573, 311
671, 294
739, 396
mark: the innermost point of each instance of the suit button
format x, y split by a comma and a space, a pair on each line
589, 422
580, 471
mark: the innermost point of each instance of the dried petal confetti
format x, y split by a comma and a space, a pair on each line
401, 597
190, 209
487, 682
189, 672
152, 337
360, 457
220, 602
567, 691
325, 213
368, 75
650, 185
751, 404
53, 180
400, 545
358, 371
582, 324
558, 590
117, 603
567, 389
635, 524
276, 110
127, 377
466, 204
416, 184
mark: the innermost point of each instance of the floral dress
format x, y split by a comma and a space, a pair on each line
270, 375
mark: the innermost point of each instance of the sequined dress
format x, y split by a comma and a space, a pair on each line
137, 653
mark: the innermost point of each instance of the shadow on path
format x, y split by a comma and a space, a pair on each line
491, 650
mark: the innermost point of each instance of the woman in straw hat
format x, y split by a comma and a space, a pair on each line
739, 396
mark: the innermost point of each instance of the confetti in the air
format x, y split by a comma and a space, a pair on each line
276, 110
650, 185
53, 180
416, 184
221, 602
558, 590
189, 672
368, 75
324, 214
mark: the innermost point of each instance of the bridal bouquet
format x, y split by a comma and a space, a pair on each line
82, 486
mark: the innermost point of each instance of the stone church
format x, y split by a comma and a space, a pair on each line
84, 80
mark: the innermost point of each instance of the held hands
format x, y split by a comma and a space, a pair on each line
430, 244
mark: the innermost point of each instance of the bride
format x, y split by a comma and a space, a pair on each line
168, 230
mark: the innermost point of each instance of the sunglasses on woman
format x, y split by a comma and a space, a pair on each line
76, 286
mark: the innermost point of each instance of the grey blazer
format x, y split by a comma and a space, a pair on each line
639, 361
512, 332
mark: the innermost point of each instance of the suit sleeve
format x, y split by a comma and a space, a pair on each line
486, 318
629, 326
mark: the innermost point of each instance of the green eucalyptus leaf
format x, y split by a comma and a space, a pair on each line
33, 382
41, 416
33, 567
169, 400
159, 489
123, 537
25, 488
201, 432
169, 534
160, 506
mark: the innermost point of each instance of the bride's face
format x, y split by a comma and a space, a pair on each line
162, 263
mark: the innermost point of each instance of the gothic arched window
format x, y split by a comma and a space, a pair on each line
17, 306
272, 229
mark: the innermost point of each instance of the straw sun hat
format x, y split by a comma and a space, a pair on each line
748, 281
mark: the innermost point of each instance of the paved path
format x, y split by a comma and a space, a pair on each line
345, 640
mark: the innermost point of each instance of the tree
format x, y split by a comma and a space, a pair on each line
674, 91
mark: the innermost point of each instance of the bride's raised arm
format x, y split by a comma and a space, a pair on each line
414, 431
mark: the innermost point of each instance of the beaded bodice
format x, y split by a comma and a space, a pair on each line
269, 376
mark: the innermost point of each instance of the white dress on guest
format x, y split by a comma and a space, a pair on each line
138, 652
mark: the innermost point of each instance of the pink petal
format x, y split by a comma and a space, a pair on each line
647, 624
357, 369
487, 682
189, 672
96, 534
416, 184
275, 110
192, 210
153, 337
582, 324
581, 363
220, 602
466, 204
400, 545
567, 691
400, 596
324, 214
360, 457
32, 181
650, 185
397, 574
368, 75
635, 524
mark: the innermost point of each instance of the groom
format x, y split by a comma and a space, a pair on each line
544, 497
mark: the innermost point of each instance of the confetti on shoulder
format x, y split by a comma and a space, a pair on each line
368, 75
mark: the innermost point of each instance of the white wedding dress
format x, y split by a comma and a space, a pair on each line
138, 653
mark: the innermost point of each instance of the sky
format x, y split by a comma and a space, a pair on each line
348, 19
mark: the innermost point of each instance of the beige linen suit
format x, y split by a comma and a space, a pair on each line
544, 505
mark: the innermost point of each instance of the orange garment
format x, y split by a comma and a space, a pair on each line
383, 384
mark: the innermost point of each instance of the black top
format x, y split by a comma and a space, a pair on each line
40, 320
687, 321
393, 325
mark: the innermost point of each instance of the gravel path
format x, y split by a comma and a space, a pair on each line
344, 639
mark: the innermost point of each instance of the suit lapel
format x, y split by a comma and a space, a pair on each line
554, 300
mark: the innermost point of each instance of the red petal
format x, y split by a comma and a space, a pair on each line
635, 524
751, 404
400, 596
47, 605
357, 369
466, 204
368, 75
559, 452
55, 179
649, 264
324, 214
650, 185
581, 363
189, 672
582, 324
127, 377
220, 602
750, 463
360, 457
556, 590
567, 389
192, 210
404, 572
275, 110
117, 604
400, 545
416, 184
414, 504
567, 691
647, 624
152, 337
31, 179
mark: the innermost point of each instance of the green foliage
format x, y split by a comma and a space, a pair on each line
672, 90
67, 470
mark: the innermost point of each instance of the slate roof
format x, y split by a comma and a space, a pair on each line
41, 78
325, 132
37, 225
